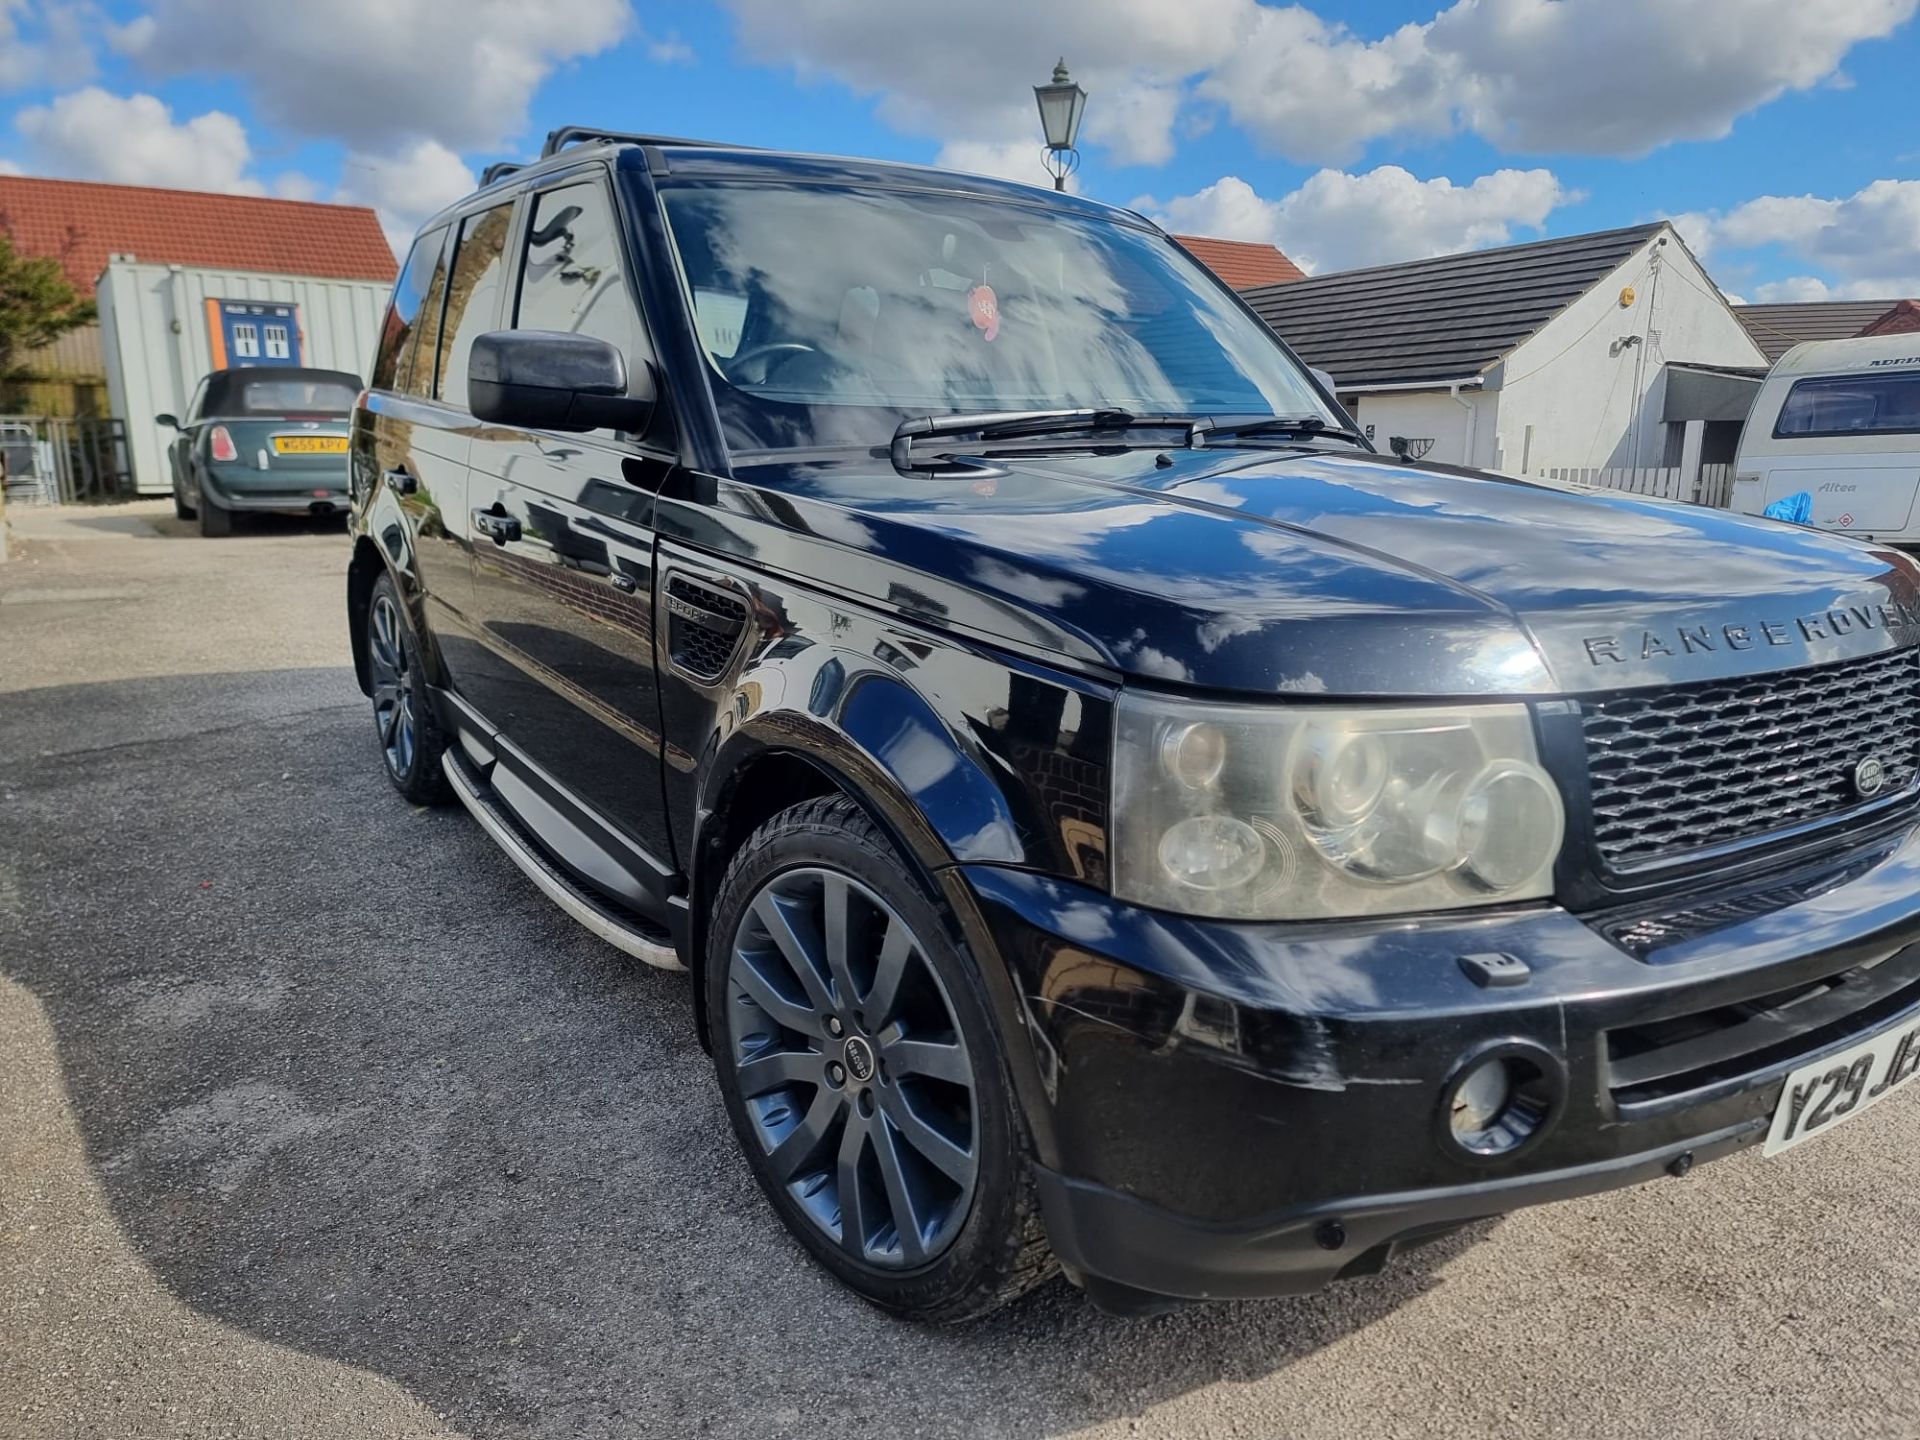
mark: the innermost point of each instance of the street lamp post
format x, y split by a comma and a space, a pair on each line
1061, 104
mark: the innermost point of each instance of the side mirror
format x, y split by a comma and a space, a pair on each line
1401, 446
172, 422
555, 380
1326, 380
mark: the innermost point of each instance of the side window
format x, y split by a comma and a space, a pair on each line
1886, 404
574, 278
472, 296
423, 351
403, 313
199, 399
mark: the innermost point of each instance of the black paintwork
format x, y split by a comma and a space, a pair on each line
1202, 1097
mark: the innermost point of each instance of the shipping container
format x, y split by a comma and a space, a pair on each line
164, 326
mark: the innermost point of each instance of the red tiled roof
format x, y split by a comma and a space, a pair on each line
1242, 263
1902, 319
81, 224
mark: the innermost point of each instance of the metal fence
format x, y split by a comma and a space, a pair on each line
45, 460
1712, 486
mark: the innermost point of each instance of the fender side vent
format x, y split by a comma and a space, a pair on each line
704, 628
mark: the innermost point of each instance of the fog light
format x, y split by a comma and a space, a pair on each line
1480, 1098
1499, 1102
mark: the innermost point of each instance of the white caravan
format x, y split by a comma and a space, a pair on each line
1839, 420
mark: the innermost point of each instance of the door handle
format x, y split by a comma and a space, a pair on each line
401, 482
624, 582
502, 528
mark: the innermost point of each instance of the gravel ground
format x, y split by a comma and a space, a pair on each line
317, 1120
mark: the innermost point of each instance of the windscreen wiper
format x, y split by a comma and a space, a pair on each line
1305, 427
999, 426
988, 428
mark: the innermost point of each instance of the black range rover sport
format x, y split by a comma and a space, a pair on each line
1111, 815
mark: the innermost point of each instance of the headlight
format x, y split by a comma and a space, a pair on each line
1273, 813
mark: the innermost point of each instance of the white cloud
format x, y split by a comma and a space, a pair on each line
1013, 160
969, 82
405, 188
1622, 77
1697, 230
1316, 92
1795, 290
1601, 77
7, 167
1228, 209
91, 134
1798, 288
1868, 243
44, 43
294, 186
1136, 120
670, 49
1614, 77
378, 74
1338, 221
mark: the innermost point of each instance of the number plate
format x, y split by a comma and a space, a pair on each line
1821, 1095
309, 444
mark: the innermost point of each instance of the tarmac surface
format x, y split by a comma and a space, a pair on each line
317, 1120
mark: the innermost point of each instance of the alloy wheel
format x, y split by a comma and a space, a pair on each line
390, 658
853, 1072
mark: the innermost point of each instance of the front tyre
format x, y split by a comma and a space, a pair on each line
863, 1073
411, 740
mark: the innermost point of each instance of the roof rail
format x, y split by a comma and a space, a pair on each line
499, 170
558, 140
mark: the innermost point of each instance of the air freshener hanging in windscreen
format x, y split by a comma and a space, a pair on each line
984, 306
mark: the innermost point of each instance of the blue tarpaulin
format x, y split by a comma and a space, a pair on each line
1798, 508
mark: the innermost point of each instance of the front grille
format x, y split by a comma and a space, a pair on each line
1682, 768
1654, 1060
1646, 930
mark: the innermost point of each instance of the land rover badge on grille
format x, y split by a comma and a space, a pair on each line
1869, 777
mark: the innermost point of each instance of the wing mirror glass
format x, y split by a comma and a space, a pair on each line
556, 380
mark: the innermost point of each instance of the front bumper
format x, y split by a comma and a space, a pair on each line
1236, 1110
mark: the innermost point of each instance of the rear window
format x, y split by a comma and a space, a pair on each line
282, 396
1852, 405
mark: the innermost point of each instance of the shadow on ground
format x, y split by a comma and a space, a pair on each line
245, 525
148, 522
351, 1085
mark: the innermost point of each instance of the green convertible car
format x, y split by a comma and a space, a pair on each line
267, 438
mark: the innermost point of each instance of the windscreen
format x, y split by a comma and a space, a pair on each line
292, 395
829, 314
1852, 405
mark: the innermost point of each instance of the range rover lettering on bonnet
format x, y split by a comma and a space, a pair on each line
1619, 649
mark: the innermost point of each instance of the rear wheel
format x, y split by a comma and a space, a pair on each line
216, 521
411, 741
863, 1073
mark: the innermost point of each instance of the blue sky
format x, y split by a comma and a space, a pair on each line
1778, 133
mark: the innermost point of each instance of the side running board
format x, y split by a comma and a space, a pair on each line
560, 888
